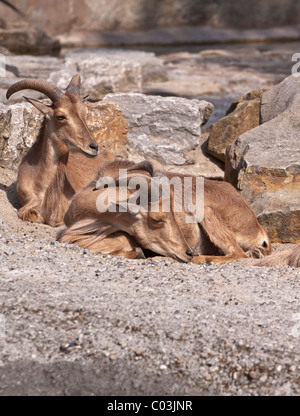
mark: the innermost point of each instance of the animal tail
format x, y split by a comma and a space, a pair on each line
290, 257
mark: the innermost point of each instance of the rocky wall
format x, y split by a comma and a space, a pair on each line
136, 15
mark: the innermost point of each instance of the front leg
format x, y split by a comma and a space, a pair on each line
222, 237
31, 202
31, 213
136, 253
216, 259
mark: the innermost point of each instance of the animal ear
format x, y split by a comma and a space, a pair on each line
74, 85
43, 108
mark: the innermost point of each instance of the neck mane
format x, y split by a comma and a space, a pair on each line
58, 191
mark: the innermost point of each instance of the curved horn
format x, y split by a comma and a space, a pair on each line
50, 90
151, 166
74, 86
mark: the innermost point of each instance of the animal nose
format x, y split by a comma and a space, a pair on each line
94, 146
189, 254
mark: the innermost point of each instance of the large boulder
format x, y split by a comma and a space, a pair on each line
164, 128
19, 127
108, 127
29, 66
110, 71
20, 124
264, 163
243, 115
18, 67
279, 98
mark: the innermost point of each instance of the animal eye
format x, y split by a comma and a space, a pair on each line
61, 118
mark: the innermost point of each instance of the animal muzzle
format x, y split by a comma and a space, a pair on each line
92, 149
186, 258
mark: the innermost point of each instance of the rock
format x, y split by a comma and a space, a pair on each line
243, 115
221, 76
108, 127
280, 98
110, 71
19, 67
20, 124
217, 72
28, 66
4, 51
204, 165
264, 163
27, 39
279, 213
251, 96
131, 15
164, 128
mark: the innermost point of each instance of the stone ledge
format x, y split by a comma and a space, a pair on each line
264, 163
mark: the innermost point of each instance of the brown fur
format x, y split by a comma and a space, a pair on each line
155, 231
59, 163
100, 238
290, 257
229, 229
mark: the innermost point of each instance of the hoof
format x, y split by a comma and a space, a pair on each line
255, 253
140, 253
31, 215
